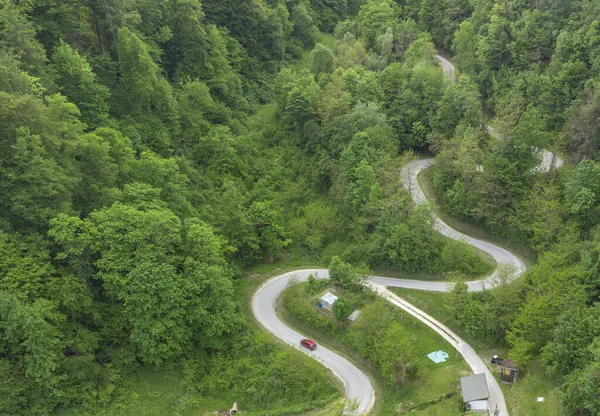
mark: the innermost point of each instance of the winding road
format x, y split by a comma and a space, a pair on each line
356, 383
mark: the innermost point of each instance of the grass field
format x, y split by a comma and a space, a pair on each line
520, 397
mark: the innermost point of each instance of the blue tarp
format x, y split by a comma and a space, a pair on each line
438, 356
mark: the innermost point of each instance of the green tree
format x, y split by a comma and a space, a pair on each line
31, 336
167, 279
18, 38
411, 95
350, 53
321, 60
569, 349
305, 29
582, 191
583, 127
408, 244
378, 336
351, 277
394, 355
557, 289
115, 15
186, 51
460, 104
580, 391
492, 49
268, 228
25, 267
14, 80
421, 51
404, 35
36, 188
260, 30
532, 39
364, 190
297, 95
329, 12
463, 46
334, 100
79, 84
98, 172
318, 223
144, 94
374, 18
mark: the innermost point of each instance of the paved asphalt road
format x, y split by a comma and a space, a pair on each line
356, 383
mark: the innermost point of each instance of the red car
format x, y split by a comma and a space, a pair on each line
307, 343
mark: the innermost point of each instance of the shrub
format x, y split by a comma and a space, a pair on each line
341, 309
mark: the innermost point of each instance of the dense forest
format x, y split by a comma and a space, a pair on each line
153, 151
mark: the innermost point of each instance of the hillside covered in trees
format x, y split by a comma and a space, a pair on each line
153, 151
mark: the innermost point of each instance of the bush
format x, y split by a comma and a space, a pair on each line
341, 309
459, 257
382, 339
315, 285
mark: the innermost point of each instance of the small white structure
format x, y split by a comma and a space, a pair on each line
475, 393
327, 301
354, 315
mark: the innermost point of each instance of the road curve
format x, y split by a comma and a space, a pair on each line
501, 256
447, 67
356, 383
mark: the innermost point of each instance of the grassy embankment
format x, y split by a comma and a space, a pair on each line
521, 397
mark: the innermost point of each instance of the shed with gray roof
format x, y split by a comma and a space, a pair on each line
327, 300
475, 393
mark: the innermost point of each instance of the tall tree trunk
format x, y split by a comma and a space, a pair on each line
98, 35
112, 29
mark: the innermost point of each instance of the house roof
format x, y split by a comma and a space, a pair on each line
330, 298
474, 388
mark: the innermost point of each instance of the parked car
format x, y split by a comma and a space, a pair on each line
307, 343
497, 360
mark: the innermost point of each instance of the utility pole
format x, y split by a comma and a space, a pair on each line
496, 411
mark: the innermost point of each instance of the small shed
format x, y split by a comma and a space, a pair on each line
327, 300
354, 315
475, 393
509, 372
